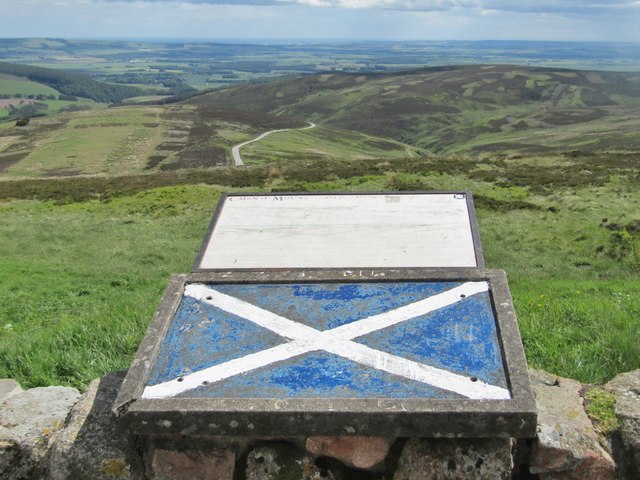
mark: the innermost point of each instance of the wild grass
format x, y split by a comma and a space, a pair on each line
11, 85
579, 327
81, 281
82, 275
323, 143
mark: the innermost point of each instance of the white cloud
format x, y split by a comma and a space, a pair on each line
534, 6
600, 20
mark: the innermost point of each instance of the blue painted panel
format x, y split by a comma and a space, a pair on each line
459, 340
201, 336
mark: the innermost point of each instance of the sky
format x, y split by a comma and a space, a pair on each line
282, 20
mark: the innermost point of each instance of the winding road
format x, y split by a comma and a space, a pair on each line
235, 151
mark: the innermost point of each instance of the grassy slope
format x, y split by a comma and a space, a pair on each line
88, 257
114, 141
12, 85
137, 139
323, 143
70, 314
471, 108
72, 83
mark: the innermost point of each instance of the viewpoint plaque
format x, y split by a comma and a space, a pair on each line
334, 314
394, 352
282, 231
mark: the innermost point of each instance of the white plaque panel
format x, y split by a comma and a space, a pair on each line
342, 231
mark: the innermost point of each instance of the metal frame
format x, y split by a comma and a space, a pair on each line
475, 234
515, 417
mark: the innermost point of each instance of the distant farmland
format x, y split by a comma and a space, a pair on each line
8, 102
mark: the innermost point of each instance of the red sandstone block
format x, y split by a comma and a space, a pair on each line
358, 452
213, 464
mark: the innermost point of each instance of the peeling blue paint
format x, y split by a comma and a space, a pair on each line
461, 338
318, 375
329, 305
201, 336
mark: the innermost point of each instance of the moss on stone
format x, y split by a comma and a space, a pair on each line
600, 406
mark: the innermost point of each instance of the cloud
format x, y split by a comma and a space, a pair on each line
562, 7
523, 6
578, 20
533, 6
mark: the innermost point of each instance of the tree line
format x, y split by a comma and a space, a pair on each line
72, 84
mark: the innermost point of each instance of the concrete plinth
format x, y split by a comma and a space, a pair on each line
382, 352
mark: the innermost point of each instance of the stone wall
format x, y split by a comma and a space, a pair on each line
55, 433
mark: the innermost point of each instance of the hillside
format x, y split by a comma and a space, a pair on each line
101, 206
71, 83
463, 108
131, 140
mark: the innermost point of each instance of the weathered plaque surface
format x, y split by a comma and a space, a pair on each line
281, 231
410, 352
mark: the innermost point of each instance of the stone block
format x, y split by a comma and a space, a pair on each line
28, 420
421, 381
210, 464
455, 459
8, 387
567, 446
358, 451
282, 461
626, 388
90, 445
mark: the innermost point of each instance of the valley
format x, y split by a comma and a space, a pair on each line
457, 109
100, 206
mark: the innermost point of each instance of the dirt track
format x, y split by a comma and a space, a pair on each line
235, 151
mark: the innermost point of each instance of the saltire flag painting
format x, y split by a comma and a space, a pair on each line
396, 339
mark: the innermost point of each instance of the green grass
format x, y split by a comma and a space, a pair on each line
11, 85
81, 278
580, 329
81, 281
56, 105
600, 406
323, 143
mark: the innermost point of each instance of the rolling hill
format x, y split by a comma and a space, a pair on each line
99, 207
460, 108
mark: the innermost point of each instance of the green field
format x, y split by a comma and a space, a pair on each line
99, 207
85, 269
471, 109
18, 89
106, 141
14, 86
137, 139
81, 281
323, 143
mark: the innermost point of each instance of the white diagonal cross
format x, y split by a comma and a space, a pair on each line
304, 339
